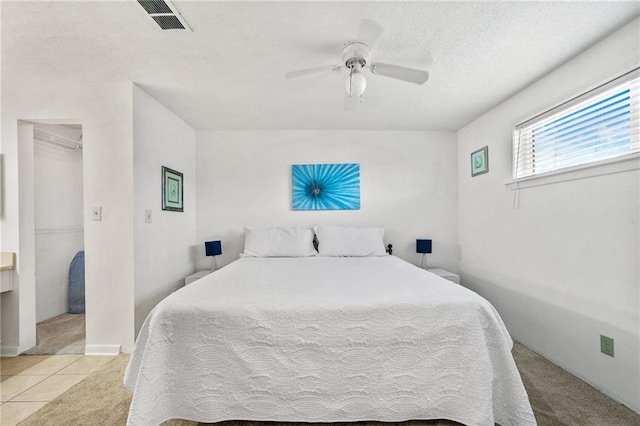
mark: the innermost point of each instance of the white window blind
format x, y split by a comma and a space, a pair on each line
598, 125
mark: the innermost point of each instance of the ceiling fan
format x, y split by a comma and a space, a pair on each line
356, 56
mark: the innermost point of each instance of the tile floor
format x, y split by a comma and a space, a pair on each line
28, 383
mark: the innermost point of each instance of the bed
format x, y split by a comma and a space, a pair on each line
325, 339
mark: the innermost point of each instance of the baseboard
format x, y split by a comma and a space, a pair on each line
102, 349
9, 351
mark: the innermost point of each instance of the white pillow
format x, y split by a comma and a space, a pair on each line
278, 242
350, 241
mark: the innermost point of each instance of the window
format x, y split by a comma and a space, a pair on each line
598, 125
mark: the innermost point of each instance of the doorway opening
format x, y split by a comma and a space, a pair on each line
59, 239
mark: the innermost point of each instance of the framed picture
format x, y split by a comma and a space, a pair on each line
480, 161
172, 198
325, 186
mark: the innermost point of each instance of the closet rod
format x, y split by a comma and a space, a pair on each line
44, 136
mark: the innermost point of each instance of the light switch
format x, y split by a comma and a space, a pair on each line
96, 213
147, 216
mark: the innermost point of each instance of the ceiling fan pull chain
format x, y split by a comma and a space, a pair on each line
350, 81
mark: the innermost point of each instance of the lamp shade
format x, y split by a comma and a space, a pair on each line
212, 248
423, 246
356, 84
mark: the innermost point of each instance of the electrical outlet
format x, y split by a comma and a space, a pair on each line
606, 345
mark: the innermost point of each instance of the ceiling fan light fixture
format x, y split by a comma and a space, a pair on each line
356, 84
356, 56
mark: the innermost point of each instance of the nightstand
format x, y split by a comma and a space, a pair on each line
196, 276
445, 274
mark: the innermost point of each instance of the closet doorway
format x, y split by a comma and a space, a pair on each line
59, 239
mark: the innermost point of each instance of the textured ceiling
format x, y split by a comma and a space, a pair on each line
229, 72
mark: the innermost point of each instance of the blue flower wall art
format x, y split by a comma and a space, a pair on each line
326, 186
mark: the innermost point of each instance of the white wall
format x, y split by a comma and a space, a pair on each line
105, 111
562, 268
164, 252
58, 221
18, 306
407, 181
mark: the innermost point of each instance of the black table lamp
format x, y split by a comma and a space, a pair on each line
213, 249
424, 247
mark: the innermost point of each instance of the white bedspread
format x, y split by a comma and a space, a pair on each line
324, 340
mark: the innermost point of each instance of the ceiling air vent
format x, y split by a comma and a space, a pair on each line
164, 14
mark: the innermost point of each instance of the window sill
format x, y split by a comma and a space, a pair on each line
627, 163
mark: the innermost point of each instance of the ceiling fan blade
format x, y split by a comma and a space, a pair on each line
314, 70
369, 32
401, 73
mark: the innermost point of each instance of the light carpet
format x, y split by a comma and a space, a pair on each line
557, 398
62, 334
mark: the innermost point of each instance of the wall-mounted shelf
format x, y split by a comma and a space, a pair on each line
7, 265
7, 261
